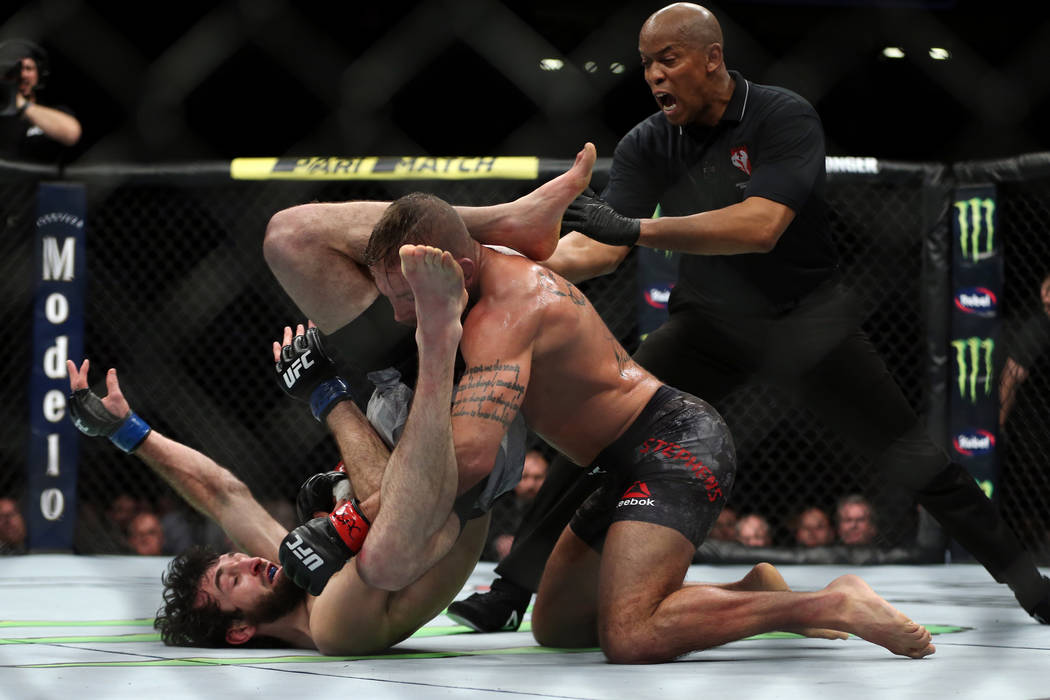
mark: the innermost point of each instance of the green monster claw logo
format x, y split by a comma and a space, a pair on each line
969, 353
976, 216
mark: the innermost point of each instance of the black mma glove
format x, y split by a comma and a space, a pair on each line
593, 217
314, 551
306, 372
93, 419
321, 492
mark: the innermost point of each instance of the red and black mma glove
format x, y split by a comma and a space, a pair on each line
306, 372
94, 420
593, 217
314, 551
321, 492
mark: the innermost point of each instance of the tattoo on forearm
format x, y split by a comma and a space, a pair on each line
556, 285
492, 392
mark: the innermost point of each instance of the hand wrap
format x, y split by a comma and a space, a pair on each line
593, 217
93, 419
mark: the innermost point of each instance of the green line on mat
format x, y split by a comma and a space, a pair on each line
249, 661
311, 658
138, 622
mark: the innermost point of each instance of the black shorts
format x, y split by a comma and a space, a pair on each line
675, 466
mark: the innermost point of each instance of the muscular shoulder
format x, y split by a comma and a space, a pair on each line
516, 294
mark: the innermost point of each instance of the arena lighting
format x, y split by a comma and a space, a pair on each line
590, 67
551, 64
939, 54
616, 67
893, 52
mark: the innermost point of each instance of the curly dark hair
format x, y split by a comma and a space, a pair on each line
180, 621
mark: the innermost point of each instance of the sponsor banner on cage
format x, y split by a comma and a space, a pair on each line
657, 274
386, 168
977, 283
58, 334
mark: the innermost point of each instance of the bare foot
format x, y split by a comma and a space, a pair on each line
766, 577
531, 224
436, 280
867, 615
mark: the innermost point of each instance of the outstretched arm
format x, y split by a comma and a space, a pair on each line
207, 486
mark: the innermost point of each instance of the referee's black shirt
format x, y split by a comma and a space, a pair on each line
769, 143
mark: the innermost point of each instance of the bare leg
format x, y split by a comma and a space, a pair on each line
647, 616
566, 610
415, 526
531, 224
765, 577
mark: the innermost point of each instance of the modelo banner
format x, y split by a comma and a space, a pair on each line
977, 284
58, 333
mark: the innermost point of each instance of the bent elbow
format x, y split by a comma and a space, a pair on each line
767, 240
283, 236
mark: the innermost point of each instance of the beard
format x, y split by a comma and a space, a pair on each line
282, 600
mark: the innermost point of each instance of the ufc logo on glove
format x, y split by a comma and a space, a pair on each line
301, 363
310, 559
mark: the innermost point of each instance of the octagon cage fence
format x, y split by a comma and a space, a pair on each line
179, 299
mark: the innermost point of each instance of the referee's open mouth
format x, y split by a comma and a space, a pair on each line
666, 100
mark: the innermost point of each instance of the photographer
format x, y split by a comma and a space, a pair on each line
28, 129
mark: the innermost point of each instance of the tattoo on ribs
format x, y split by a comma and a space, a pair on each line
491, 392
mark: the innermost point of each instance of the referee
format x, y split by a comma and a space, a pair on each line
737, 170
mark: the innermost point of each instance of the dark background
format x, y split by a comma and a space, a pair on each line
175, 82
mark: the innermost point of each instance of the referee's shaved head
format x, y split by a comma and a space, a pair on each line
689, 23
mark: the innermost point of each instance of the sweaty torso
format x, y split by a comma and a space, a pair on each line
538, 335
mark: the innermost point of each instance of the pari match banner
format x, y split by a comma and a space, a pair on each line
977, 285
58, 333
386, 168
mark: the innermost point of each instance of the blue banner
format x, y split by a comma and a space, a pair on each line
977, 286
58, 334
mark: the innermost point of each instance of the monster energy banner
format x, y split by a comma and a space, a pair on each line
977, 282
58, 334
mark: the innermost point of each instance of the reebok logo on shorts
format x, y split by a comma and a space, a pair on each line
637, 494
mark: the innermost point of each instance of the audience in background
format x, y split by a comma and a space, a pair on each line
753, 530
812, 528
12, 527
146, 534
724, 528
855, 521
508, 511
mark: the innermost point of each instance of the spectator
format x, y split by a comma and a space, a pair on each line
856, 523
813, 528
507, 513
30, 130
12, 527
753, 530
725, 526
146, 534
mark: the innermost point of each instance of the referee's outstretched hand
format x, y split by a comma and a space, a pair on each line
593, 217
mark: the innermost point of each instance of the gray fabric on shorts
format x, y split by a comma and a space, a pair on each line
387, 412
